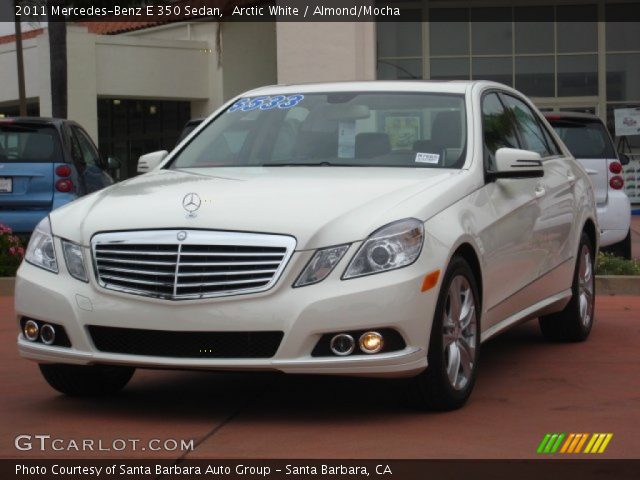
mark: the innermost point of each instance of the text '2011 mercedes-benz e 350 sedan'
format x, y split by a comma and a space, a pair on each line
380, 229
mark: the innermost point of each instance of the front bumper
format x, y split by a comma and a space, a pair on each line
388, 300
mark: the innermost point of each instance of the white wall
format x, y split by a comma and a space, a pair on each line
143, 68
326, 51
248, 56
36, 67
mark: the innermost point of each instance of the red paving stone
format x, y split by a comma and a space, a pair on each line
526, 388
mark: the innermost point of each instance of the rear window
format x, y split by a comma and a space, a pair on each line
585, 139
29, 143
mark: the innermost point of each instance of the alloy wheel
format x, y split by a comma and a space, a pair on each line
585, 286
459, 332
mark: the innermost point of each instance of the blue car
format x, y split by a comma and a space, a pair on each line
45, 163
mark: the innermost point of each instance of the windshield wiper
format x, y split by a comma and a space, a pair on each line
311, 164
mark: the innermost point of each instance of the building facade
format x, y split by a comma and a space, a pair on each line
133, 90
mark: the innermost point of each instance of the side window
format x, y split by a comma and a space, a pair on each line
83, 148
498, 128
530, 131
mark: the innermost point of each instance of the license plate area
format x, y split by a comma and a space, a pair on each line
6, 185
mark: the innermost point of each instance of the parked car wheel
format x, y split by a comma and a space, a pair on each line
573, 324
454, 346
81, 380
621, 249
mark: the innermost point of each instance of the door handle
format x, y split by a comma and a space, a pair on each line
539, 191
571, 177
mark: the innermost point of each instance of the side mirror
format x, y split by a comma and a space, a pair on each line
148, 162
514, 163
624, 158
113, 163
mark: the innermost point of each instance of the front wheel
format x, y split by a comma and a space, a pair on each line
573, 324
82, 381
447, 382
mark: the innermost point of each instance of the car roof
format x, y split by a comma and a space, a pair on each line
35, 120
572, 116
427, 86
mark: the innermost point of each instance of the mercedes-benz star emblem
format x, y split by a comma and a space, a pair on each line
191, 203
182, 235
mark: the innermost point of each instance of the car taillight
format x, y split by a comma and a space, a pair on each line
615, 168
616, 182
64, 185
63, 171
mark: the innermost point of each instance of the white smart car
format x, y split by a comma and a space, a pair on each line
383, 228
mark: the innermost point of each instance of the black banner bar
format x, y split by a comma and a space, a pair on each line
561, 469
167, 11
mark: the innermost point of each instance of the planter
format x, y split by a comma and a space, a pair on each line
6, 286
617, 285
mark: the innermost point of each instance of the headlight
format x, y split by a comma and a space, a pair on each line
75, 260
321, 265
393, 246
40, 251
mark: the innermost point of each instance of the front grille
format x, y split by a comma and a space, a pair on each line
189, 264
160, 343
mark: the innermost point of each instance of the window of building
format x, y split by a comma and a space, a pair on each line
535, 75
577, 75
545, 51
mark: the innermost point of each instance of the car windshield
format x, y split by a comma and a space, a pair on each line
585, 138
341, 129
29, 143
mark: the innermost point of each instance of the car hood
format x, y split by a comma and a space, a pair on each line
319, 206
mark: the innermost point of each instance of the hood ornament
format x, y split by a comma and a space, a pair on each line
191, 203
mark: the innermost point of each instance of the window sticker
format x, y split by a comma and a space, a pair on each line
266, 103
347, 139
432, 158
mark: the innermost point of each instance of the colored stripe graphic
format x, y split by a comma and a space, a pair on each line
573, 442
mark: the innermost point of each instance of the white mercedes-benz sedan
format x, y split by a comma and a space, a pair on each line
376, 228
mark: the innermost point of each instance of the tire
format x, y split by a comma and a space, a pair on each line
435, 388
574, 323
622, 248
86, 381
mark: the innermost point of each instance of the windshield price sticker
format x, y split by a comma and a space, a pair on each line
432, 158
266, 103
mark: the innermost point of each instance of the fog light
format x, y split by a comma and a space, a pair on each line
342, 344
31, 330
47, 334
371, 342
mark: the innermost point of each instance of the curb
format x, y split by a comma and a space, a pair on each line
605, 285
617, 285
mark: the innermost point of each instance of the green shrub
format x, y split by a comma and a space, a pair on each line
609, 264
11, 252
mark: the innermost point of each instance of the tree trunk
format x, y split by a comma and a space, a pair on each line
58, 61
19, 57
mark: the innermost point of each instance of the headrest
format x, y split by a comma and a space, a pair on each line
372, 144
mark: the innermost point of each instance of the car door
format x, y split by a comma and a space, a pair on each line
87, 160
553, 229
511, 211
